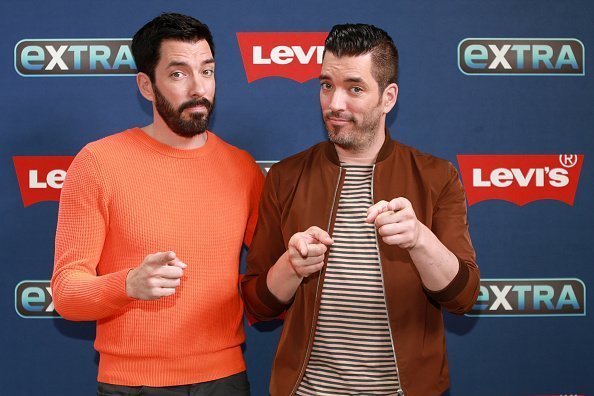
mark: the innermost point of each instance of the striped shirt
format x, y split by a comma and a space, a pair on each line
352, 350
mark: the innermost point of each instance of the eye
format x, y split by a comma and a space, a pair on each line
325, 86
356, 90
177, 75
208, 72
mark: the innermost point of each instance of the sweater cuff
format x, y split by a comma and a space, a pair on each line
454, 288
114, 289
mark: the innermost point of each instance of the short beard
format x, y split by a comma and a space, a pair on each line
197, 123
360, 137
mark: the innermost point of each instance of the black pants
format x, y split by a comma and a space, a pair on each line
236, 384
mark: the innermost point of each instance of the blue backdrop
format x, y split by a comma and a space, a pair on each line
506, 349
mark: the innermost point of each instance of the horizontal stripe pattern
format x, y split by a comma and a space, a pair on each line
352, 350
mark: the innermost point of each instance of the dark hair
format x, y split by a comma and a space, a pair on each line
360, 39
146, 44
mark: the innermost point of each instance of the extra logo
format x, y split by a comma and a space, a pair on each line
520, 179
293, 55
33, 299
74, 57
41, 178
522, 57
530, 297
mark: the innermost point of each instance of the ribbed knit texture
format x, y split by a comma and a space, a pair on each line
127, 196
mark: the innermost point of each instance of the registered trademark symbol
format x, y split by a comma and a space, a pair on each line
568, 160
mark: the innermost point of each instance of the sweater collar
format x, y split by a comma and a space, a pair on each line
212, 142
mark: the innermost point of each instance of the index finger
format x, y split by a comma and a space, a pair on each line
320, 235
160, 258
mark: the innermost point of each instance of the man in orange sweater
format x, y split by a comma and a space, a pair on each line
150, 230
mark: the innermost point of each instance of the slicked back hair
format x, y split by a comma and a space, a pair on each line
360, 39
146, 44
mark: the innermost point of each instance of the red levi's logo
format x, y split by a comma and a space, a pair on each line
41, 177
293, 55
520, 179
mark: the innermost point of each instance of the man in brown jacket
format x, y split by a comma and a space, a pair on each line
362, 241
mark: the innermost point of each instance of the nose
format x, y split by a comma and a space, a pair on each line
198, 86
336, 101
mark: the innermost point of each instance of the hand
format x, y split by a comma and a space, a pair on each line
157, 276
396, 222
306, 250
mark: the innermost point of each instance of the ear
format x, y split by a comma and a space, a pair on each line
145, 86
389, 97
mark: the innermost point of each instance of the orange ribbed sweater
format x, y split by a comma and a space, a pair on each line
127, 196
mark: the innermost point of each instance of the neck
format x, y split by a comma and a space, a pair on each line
159, 131
366, 156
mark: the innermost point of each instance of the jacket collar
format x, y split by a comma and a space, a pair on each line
384, 152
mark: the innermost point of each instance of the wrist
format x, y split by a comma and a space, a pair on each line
282, 280
420, 242
129, 288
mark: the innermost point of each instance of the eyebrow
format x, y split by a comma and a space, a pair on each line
358, 80
182, 63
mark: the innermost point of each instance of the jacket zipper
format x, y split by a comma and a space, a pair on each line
313, 321
399, 391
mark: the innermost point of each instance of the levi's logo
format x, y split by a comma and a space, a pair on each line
520, 179
293, 55
41, 177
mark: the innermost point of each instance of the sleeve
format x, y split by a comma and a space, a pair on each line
450, 225
83, 218
256, 183
266, 248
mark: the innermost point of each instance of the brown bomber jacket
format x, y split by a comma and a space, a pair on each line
302, 191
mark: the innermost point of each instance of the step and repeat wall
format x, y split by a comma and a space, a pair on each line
502, 89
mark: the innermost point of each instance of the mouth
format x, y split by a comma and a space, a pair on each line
196, 108
338, 121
